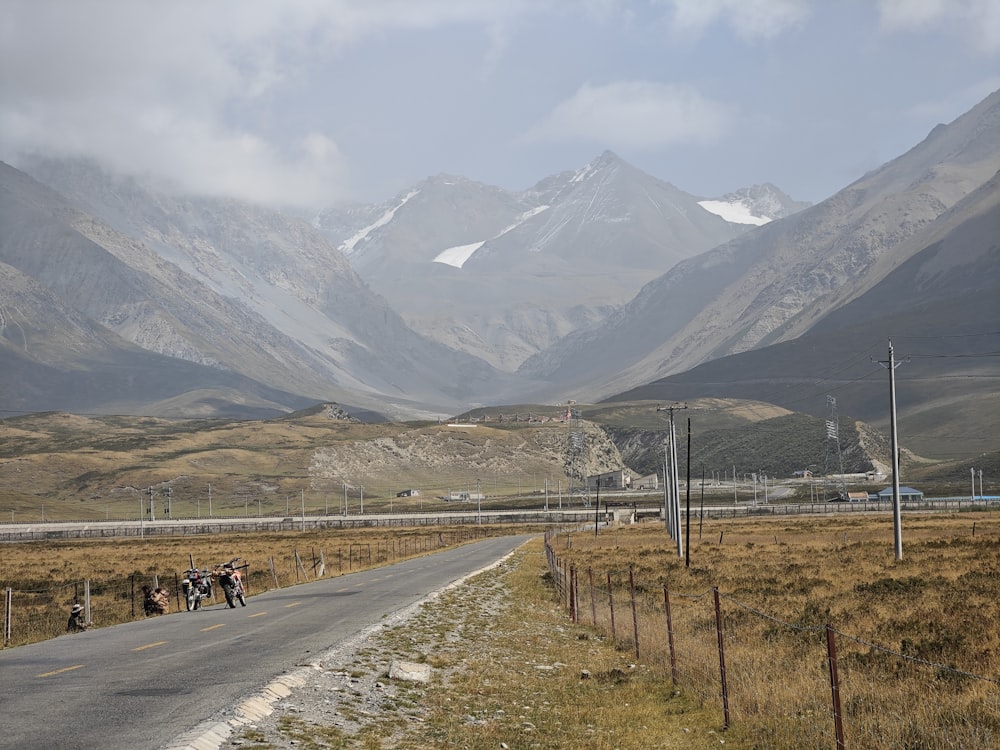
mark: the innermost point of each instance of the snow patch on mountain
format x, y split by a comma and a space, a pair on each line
348, 245
456, 256
736, 212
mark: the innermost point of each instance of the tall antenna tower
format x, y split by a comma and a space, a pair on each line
577, 452
833, 445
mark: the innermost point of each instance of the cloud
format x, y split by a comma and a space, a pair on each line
978, 21
186, 90
633, 115
749, 19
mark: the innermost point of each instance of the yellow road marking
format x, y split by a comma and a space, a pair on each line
259, 614
213, 627
60, 671
150, 645
293, 604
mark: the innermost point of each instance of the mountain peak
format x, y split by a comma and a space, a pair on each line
758, 204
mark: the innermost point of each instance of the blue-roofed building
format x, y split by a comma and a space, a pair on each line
906, 494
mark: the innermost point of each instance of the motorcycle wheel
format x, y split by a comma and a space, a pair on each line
243, 600
197, 602
191, 602
228, 591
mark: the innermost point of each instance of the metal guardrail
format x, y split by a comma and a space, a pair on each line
20, 532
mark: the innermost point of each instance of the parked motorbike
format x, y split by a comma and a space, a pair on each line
196, 585
231, 581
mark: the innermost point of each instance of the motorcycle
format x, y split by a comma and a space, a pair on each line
196, 585
231, 581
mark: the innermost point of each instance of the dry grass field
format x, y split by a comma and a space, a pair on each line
514, 670
916, 640
918, 650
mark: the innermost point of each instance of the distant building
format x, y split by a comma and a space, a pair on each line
408, 493
465, 497
906, 494
648, 482
857, 497
611, 480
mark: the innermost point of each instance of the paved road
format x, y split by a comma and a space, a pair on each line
142, 684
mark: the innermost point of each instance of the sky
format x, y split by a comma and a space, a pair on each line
308, 103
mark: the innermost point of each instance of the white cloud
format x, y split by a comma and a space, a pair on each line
749, 19
633, 115
978, 21
151, 87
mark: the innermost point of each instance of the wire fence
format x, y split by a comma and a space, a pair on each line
39, 610
782, 685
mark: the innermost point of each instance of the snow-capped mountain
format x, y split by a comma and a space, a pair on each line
222, 284
500, 274
781, 280
115, 296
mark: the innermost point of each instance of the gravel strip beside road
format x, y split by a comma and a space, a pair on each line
346, 692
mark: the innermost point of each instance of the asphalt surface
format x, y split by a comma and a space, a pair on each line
142, 684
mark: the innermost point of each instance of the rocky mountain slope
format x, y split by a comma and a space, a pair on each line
225, 285
122, 296
780, 280
502, 275
940, 308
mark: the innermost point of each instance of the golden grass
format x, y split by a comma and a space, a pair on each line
918, 648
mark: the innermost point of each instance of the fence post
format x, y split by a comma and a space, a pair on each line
299, 566
576, 592
635, 616
274, 573
670, 635
572, 594
611, 605
86, 602
8, 601
131, 580
722, 658
593, 602
831, 654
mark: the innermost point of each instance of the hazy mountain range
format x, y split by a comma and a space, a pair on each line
117, 295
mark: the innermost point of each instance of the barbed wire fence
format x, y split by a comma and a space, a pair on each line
782, 685
40, 609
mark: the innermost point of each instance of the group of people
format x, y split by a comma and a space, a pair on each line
154, 602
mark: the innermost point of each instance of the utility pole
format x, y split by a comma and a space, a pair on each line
687, 559
973, 484
597, 507
891, 366
152, 511
672, 506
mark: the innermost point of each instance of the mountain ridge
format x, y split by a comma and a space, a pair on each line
593, 283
